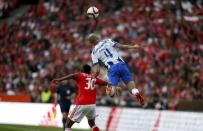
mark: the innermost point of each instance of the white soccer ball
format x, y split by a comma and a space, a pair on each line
93, 12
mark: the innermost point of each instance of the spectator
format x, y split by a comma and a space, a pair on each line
168, 70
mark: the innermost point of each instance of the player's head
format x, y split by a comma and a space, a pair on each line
87, 69
93, 38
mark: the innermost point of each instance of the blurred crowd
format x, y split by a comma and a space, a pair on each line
6, 6
49, 41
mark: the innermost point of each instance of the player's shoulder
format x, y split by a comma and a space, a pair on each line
103, 42
81, 74
109, 41
106, 40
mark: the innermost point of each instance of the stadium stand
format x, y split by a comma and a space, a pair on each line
7, 6
49, 41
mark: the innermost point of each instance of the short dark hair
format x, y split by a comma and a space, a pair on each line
87, 68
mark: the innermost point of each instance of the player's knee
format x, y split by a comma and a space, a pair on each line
131, 84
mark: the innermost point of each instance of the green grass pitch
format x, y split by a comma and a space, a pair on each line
4, 127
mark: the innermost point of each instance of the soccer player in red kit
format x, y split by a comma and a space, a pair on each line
86, 98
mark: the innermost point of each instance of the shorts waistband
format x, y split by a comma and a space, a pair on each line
110, 63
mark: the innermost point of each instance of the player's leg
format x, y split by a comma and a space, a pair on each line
91, 115
69, 124
114, 78
93, 125
64, 115
67, 108
64, 109
75, 115
128, 80
64, 119
126, 76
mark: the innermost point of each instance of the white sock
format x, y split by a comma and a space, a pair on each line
67, 129
134, 91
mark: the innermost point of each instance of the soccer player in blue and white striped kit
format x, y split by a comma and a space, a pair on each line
106, 52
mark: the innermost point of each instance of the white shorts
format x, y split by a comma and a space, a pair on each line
79, 111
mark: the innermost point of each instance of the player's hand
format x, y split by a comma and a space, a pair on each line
118, 91
136, 46
141, 46
110, 90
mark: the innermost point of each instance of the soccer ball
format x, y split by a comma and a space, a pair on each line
93, 12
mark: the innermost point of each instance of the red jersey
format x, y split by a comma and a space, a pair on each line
86, 88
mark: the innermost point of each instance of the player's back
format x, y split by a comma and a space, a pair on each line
106, 52
86, 88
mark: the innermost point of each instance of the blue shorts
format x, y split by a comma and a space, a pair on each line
119, 71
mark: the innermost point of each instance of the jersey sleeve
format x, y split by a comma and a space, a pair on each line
100, 81
94, 58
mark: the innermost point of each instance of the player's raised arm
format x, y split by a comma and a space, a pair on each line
70, 76
136, 46
54, 82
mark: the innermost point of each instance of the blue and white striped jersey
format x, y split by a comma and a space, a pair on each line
106, 52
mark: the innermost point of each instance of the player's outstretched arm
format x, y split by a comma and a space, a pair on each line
54, 82
136, 46
70, 76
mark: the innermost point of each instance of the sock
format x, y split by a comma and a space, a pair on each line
67, 129
134, 91
64, 122
95, 128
